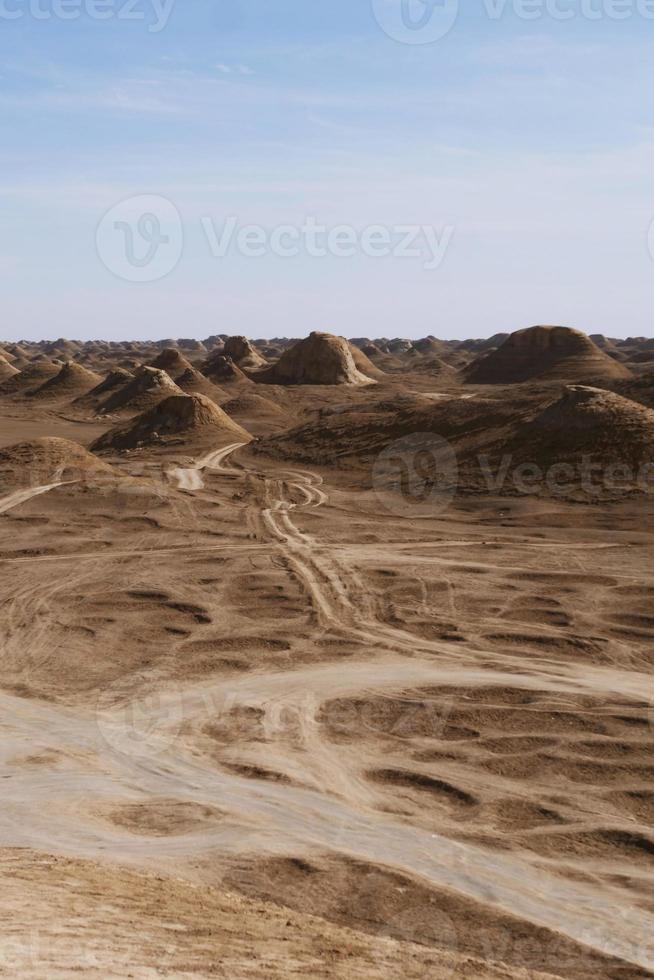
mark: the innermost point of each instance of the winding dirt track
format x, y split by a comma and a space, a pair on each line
131, 751
22, 496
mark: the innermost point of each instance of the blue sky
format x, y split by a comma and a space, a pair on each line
531, 140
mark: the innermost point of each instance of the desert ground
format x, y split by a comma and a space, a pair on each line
327, 659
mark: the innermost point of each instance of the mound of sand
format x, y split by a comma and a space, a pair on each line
603, 342
589, 423
321, 359
363, 363
429, 345
217, 367
72, 381
353, 436
479, 346
435, 367
42, 462
214, 343
115, 379
189, 418
172, 362
61, 348
590, 443
260, 416
148, 387
6, 369
383, 361
640, 389
190, 343
192, 382
250, 405
545, 354
36, 373
243, 353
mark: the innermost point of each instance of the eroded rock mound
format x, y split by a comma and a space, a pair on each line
36, 373
41, 462
430, 346
193, 382
252, 404
363, 363
172, 362
72, 381
545, 354
191, 418
114, 380
148, 387
243, 353
321, 359
589, 423
6, 369
222, 369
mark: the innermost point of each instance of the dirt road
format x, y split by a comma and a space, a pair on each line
134, 750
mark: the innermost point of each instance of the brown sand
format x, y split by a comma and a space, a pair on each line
261, 720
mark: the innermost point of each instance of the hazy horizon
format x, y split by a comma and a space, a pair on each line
523, 146
291, 336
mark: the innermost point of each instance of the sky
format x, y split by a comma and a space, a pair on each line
182, 168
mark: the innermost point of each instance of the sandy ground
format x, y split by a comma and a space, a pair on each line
253, 725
